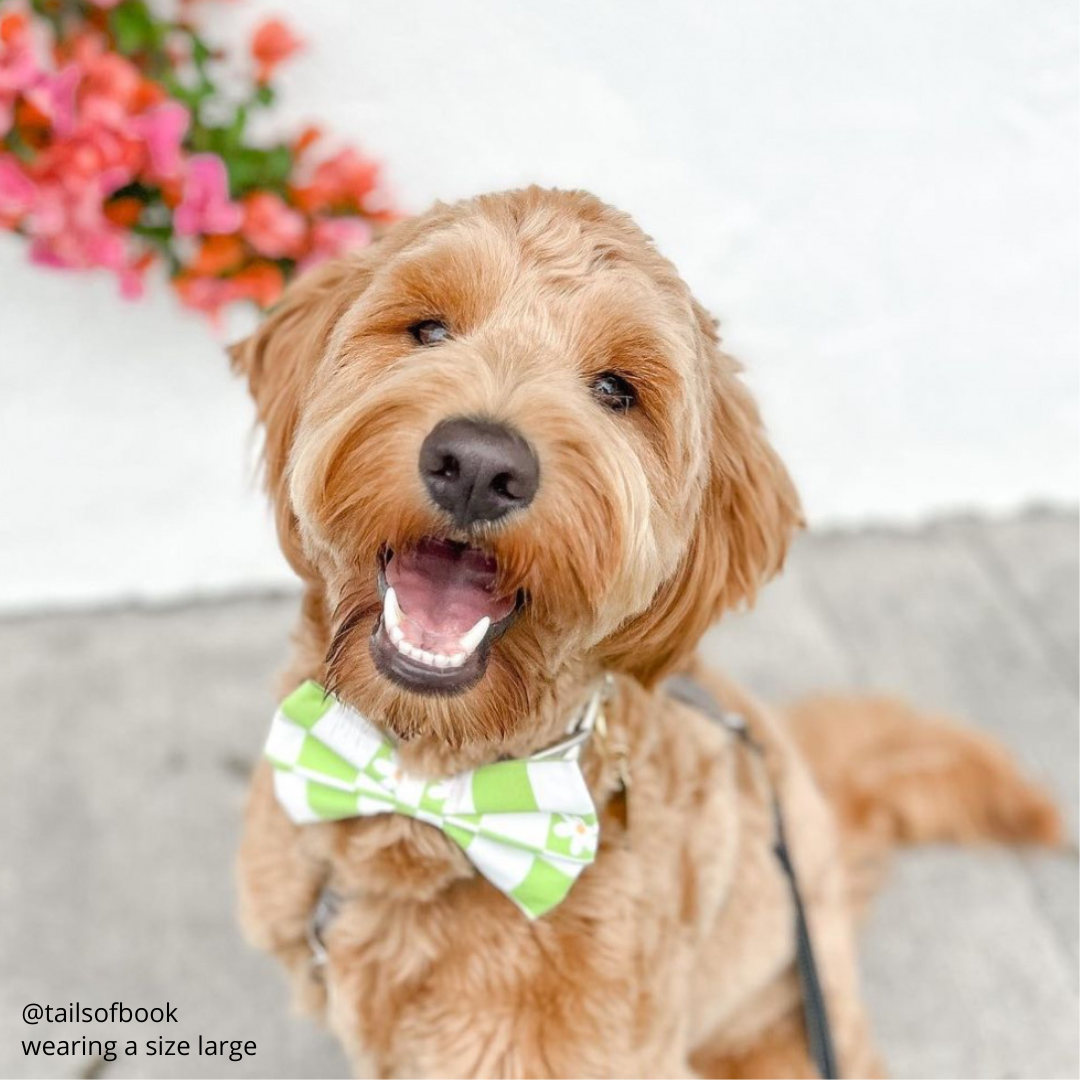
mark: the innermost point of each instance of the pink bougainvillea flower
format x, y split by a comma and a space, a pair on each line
162, 129
339, 182
92, 149
54, 97
100, 247
104, 249
17, 192
19, 67
272, 227
206, 294
260, 281
205, 206
112, 88
67, 227
70, 233
332, 236
132, 276
132, 285
109, 78
93, 158
273, 44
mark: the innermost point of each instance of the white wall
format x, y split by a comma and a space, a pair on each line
879, 200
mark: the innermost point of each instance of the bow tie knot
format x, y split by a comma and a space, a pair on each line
528, 825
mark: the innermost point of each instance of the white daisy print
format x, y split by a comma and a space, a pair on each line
581, 834
454, 792
391, 772
440, 790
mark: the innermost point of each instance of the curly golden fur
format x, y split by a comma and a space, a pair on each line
673, 955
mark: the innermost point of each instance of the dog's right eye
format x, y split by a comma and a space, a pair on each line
429, 332
614, 392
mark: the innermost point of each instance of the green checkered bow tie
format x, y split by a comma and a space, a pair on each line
529, 826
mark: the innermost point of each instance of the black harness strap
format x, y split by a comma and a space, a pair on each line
815, 1013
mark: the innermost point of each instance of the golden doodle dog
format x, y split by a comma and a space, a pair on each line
510, 464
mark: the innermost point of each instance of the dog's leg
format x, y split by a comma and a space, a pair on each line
278, 886
748, 965
896, 776
767, 1037
781, 1053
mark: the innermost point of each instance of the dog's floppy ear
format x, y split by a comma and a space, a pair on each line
748, 513
279, 359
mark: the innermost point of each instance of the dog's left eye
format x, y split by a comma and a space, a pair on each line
429, 332
614, 392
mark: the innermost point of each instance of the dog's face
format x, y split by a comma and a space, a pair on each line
506, 451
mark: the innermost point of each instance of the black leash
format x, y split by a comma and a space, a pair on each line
815, 1013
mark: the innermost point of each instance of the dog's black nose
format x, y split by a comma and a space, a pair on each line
477, 470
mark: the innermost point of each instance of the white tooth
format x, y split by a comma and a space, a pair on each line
409, 650
397, 635
473, 638
426, 657
391, 610
441, 660
458, 659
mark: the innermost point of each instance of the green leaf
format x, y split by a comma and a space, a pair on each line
227, 141
133, 27
252, 168
200, 51
15, 144
235, 131
214, 140
279, 164
158, 233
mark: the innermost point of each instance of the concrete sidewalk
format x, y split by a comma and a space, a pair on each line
131, 734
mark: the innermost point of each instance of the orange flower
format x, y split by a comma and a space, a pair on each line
99, 128
272, 227
305, 140
172, 191
110, 86
12, 27
340, 182
31, 123
218, 255
124, 211
260, 281
272, 44
148, 94
206, 294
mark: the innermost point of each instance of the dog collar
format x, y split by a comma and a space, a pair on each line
528, 825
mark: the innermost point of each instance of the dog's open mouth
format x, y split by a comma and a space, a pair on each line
442, 612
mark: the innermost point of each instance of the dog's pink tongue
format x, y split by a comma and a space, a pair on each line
445, 589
